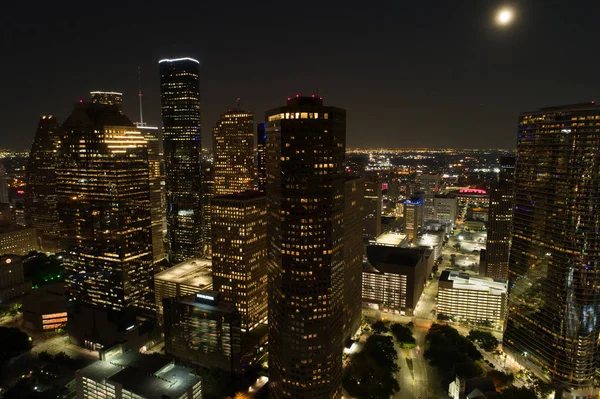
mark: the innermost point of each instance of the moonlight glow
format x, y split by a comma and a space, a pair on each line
504, 16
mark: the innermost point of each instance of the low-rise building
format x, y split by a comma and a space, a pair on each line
446, 208
12, 280
45, 308
204, 330
394, 278
185, 278
473, 298
472, 388
391, 239
18, 241
128, 374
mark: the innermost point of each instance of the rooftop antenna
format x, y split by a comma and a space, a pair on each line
141, 122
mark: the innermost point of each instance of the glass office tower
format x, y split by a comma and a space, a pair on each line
180, 110
305, 209
554, 266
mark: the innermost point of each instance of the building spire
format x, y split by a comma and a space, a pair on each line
141, 122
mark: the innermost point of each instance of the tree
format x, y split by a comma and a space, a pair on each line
484, 339
379, 327
501, 380
403, 335
13, 343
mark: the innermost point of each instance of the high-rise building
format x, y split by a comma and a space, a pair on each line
373, 209
555, 250
40, 194
180, 110
108, 98
354, 211
500, 222
429, 186
12, 279
305, 211
261, 162
3, 186
104, 209
158, 201
413, 218
208, 192
233, 152
446, 208
239, 246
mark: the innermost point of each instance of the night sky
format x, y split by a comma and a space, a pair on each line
410, 73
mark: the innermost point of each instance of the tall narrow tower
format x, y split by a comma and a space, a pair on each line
305, 209
261, 162
180, 110
40, 196
554, 266
233, 152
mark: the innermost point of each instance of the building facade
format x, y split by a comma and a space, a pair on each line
555, 249
233, 153
107, 98
180, 110
12, 278
103, 197
500, 221
446, 208
18, 241
429, 185
394, 278
239, 245
185, 278
354, 211
305, 209
472, 298
40, 194
413, 218
204, 330
261, 162
373, 209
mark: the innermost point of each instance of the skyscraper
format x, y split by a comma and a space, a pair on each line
180, 110
500, 221
108, 98
208, 192
429, 186
3, 186
354, 210
305, 208
413, 218
555, 252
40, 193
261, 162
104, 209
373, 209
233, 152
239, 246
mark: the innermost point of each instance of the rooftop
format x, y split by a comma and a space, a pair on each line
150, 376
391, 239
381, 254
464, 281
195, 272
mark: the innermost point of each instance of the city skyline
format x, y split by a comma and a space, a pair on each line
412, 83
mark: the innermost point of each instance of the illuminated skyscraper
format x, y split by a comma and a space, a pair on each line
104, 209
554, 266
180, 110
208, 180
108, 98
413, 218
354, 213
239, 247
305, 212
40, 193
233, 153
429, 186
500, 221
261, 161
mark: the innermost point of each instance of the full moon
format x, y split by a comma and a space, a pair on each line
504, 16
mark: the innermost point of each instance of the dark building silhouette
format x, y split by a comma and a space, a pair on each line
208, 192
354, 212
305, 212
373, 209
104, 209
500, 222
233, 153
261, 164
180, 110
40, 194
555, 251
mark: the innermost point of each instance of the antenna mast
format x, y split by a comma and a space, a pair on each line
141, 122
